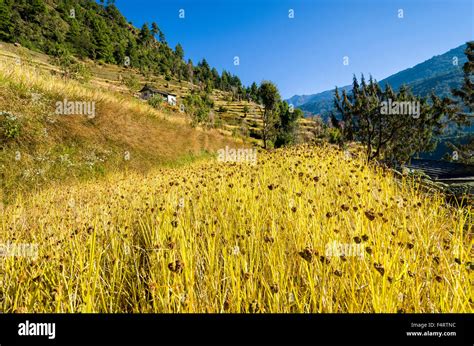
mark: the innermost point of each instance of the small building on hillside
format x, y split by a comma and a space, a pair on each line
458, 178
148, 92
443, 171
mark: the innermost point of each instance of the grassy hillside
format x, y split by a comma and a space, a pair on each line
307, 229
228, 110
88, 29
125, 133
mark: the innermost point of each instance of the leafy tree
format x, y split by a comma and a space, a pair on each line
131, 82
288, 124
6, 26
71, 68
269, 95
79, 41
155, 101
198, 108
101, 38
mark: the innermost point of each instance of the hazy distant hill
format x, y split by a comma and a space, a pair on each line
438, 74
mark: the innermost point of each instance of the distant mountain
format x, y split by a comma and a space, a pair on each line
438, 74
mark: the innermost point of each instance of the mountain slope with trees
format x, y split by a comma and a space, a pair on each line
98, 31
439, 74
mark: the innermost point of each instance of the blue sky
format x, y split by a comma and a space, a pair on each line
304, 54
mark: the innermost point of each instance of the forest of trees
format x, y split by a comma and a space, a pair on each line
98, 31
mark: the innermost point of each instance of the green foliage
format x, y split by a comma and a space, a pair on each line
198, 108
6, 26
392, 135
9, 126
287, 126
269, 95
465, 95
155, 101
253, 92
334, 135
179, 51
246, 110
70, 67
81, 71
466, 92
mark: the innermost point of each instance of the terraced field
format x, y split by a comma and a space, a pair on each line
304, 229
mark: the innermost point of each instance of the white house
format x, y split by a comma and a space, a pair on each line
148, 92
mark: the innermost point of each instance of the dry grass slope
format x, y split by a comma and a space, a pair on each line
59, 147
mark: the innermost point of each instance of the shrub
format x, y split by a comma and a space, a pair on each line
155, 101
9, 126
198, 107
335, 136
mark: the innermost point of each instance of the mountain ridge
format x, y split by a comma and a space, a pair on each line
438, 74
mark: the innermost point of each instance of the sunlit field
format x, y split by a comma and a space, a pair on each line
307, 229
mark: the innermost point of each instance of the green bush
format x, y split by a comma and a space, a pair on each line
155, 101
198, 107
335, 136
9, 126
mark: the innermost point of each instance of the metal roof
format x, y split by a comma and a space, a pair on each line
156, 91
443, 170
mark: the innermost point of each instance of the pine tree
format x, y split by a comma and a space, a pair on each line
466, 92
392, 136
145, 34
154, 29
162, 37
103, 46
466, 96
179, 52
254, 92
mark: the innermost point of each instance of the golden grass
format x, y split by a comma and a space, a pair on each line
221, 237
